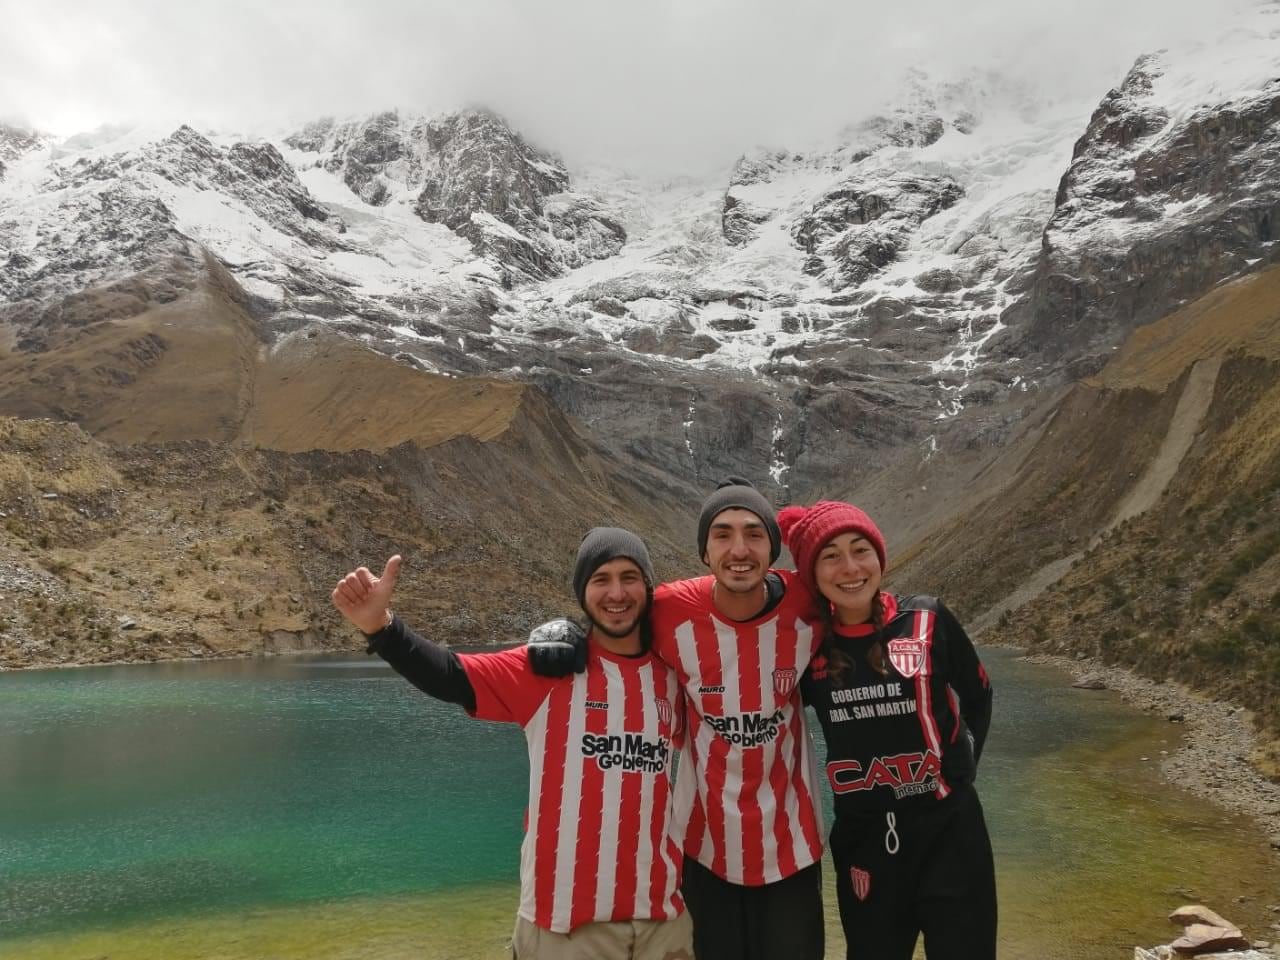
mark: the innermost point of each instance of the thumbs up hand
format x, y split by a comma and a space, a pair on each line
365, 600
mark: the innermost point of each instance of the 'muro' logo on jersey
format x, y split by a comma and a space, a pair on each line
627, 752
784, 681
908, 656
861, 882
907, 774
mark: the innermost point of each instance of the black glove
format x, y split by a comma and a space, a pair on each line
557, 648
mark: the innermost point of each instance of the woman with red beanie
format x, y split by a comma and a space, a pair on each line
905, 706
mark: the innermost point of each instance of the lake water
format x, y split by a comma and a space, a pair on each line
320, 807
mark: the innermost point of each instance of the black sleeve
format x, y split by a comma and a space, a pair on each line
806, 686
968, 678
774, 590
433, 669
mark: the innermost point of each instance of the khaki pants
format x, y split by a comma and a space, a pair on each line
621, 940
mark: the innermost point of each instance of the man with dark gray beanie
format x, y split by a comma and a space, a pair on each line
738, 493
749, 818
598, 547
601, 744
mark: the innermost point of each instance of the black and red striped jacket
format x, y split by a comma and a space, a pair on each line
911, 732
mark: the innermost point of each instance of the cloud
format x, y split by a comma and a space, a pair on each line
661, 82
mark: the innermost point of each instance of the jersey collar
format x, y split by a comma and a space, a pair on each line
867, 629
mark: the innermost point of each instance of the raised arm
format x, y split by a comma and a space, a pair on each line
365, 601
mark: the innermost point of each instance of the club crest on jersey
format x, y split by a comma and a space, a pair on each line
908, 656
784, 681
861, 882
664, 712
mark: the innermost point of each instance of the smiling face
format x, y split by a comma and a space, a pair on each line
615, 599
738, 550
847, 572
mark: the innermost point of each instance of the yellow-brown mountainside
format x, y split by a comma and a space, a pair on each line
179, 357
1139, 521
212, 488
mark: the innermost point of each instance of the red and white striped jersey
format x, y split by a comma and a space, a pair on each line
597, 843
750, 813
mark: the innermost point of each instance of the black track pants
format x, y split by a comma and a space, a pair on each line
778, 921
929, 871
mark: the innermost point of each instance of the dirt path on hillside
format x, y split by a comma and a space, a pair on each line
1187, 417
1031, 588
1189, 414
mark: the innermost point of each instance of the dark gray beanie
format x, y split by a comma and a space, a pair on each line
735, 492
602, 544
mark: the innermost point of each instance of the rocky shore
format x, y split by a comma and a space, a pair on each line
1218, 738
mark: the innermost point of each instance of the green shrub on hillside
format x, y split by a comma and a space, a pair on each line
1218, 588
1262, 627
1245, 560
1226, 649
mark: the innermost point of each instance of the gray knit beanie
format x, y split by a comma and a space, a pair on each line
737, 493
602, 544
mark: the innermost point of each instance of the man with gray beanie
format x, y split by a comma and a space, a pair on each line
749, 819
599, 873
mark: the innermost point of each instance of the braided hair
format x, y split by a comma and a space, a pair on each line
838, 661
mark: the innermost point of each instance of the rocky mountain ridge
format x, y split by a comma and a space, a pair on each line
1192, 200
899, 288
471, 172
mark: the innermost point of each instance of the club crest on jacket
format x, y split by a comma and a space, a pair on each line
908, 656
861, 882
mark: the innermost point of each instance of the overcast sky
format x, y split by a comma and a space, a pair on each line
673, 83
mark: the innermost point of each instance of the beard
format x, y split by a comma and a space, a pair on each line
617, 634
622, 633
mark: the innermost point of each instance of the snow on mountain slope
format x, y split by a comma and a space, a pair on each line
694, 285
945, 253
1173, 188
331, 225
92, 209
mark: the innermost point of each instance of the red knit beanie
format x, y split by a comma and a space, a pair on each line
806, 530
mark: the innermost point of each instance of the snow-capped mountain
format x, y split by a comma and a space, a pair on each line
475, 175
1172, 188
897, 289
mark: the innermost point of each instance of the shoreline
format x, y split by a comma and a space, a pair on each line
1218, 736
1211, 763
357, 649
207, 658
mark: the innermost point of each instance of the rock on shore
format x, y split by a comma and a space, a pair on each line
1205, 934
